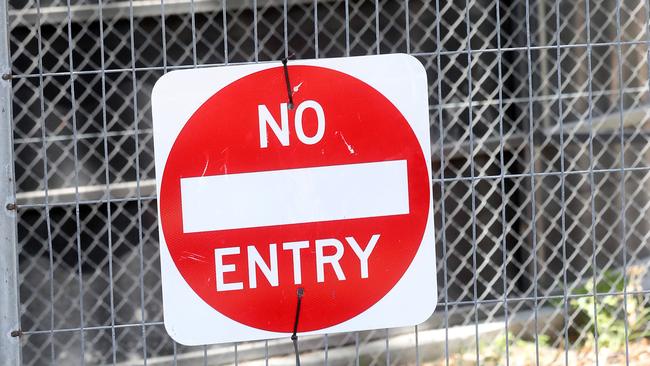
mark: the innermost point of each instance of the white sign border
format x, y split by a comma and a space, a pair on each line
191, 321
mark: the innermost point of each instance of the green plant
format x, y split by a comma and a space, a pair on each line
544, 340
494, 351
607, 313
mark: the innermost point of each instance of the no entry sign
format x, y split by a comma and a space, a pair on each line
258, 197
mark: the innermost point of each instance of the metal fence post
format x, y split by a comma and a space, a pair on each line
9, 305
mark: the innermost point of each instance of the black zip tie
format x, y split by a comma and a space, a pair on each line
286, 79
294, 337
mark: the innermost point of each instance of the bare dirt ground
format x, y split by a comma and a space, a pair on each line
638, 354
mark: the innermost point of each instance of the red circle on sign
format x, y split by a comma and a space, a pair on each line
222, 137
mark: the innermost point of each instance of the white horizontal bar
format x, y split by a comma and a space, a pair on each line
292, 196
138, 8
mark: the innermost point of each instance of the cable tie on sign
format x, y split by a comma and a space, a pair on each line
286, 79
294, 337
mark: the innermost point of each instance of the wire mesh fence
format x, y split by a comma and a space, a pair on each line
541, 152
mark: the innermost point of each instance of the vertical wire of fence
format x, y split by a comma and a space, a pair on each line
540, 132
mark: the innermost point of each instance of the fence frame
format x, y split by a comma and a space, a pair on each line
9, 302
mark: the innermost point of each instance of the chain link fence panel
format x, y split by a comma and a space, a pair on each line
541, 157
